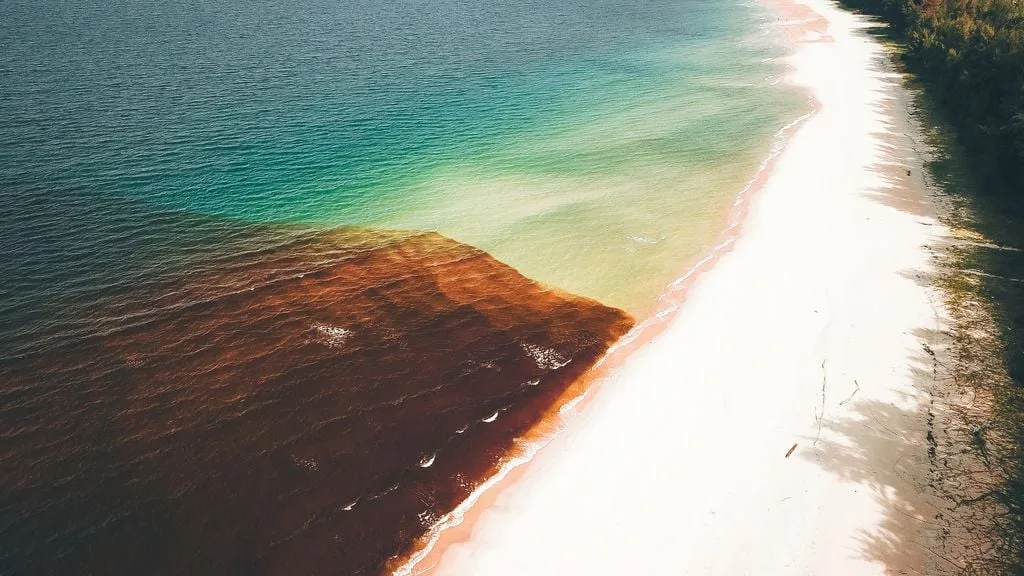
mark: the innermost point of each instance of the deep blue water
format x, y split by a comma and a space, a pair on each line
197, 376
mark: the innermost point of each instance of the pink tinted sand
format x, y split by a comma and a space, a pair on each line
456, 528
803, 327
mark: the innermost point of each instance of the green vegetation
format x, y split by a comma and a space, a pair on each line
970, 54
980, 274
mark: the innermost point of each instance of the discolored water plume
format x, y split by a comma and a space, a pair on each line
309, 407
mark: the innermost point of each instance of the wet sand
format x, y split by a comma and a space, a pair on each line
781, 422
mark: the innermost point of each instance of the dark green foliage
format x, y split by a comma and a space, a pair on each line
971, 54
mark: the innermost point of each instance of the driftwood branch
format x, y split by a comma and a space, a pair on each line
852, 394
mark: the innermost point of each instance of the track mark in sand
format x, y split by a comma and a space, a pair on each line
852, 394
817, 416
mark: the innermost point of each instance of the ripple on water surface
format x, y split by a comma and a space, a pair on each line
313, 405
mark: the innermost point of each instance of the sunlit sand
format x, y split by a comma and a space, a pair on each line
778, 424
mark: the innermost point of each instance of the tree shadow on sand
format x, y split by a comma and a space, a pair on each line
928, 477
942, 459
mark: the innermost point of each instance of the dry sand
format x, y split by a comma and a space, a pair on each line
813, 332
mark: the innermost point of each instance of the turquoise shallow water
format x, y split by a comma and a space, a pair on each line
215, 358
590, 143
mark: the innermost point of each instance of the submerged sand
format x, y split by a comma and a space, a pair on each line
780, 423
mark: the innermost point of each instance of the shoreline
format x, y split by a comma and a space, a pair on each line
456, 526
501, 527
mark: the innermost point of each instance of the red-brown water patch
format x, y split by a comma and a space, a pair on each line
309, 407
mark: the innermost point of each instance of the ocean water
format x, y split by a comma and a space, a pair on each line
281, 281
589, 143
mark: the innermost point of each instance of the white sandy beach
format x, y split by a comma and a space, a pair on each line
813, 330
